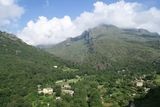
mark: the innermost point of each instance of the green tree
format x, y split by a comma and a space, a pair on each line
57, 89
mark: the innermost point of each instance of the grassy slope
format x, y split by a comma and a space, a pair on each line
112, 46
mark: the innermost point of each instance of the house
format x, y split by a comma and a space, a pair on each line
48, 104
139, 83
45, 91
123, 70
110, 95
66, 86
55, 66
133, 94
70, 92
58, 98
66, 89
40, 91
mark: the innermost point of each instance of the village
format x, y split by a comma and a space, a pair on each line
64, 86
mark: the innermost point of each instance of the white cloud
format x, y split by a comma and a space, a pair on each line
45, 31
122, 14
9, 12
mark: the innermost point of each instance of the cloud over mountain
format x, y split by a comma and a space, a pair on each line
122, 14
10, 11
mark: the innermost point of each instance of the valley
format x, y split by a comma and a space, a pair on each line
79, 53
104, 67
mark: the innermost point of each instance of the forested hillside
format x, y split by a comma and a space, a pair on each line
22, 68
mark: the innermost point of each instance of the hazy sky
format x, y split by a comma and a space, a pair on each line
52, 21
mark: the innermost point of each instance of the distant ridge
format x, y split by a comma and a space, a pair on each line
107, 45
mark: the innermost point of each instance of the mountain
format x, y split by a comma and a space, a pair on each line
22, 68
107, 46
126, 56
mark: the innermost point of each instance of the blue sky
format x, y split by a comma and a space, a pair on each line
59, 8
54, 8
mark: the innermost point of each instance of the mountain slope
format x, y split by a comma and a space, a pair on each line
22, 68
107, 45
